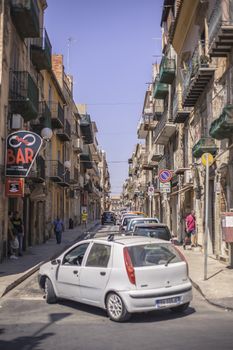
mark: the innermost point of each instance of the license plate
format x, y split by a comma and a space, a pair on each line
167, 302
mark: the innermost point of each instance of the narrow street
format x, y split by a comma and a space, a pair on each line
28, 323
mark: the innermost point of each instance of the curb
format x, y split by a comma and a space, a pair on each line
196, 286
19, 280
35, 268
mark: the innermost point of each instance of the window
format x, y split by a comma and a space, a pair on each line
99, 255
75, 256
157, 232
153, 254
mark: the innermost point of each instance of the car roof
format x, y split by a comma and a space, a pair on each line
127, 240
144, 219
149, 225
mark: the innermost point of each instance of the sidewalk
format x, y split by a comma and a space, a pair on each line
13, 272
218, 288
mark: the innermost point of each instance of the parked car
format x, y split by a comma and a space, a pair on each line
108, 217
123, 275
156, 230
125, 220
139, 220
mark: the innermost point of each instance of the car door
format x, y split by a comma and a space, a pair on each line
95, 273
68, 273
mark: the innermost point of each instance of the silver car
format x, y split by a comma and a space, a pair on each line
123, 275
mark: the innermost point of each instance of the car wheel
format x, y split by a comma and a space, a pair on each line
180, 308
50, 295
116, 309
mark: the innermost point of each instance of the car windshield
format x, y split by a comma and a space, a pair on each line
155, 232
153, 254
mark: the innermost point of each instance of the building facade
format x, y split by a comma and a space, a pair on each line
37, 95
194, 86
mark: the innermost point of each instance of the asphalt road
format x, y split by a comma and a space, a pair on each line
28, 323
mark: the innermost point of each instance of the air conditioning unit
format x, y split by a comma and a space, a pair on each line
17, 122
188, 177
78, 145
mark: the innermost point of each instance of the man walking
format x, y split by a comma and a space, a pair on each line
191, 228
58, 228
18, 228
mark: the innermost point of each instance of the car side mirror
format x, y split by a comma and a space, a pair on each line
56, 262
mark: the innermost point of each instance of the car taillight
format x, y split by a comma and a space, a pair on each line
129, 266
183, 258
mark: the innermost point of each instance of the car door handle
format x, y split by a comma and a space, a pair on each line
102, 273
75, 272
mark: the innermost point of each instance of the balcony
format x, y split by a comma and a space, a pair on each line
146, 123
160, 89
41, 51
204, 145
23, 95
44, 120
85, 157
222, 128
65, 133
155, 155
25, 15
57, 116
88, 186
86, 128
167, 70
59, 174
220, 28
37, 174
164, 130
198, 75
158, 109
180, 114
78, 145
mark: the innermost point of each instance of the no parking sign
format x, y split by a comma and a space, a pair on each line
165, 175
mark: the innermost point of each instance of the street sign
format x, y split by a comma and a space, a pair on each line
165, 187
165, 175
22, 149
205, 157
151, 191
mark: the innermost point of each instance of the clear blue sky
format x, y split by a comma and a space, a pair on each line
111, 56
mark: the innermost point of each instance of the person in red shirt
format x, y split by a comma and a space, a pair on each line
190, 224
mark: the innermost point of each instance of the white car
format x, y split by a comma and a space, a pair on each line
123, 275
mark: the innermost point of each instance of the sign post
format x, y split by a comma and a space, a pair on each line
207, 160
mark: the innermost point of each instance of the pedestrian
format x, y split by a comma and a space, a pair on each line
84, 218
12, 239
58, 228
190, 224
18, 230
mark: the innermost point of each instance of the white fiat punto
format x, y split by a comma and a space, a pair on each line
123, 275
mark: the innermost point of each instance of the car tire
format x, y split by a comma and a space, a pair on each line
180, 308
116, 309
50, 295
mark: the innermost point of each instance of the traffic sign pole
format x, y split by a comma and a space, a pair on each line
206, 217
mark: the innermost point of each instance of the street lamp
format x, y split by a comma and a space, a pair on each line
46, 134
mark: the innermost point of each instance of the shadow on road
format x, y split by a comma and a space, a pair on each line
152, 316
25, 343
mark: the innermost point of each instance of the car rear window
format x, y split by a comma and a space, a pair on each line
156, 232
153, 254
150, 221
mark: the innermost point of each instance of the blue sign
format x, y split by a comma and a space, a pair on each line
165, 175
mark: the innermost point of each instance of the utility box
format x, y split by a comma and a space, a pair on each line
227, 233
227, 227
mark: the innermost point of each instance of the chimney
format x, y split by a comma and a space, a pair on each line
58, 69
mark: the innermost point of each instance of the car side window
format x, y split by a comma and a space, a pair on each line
75, 256
99, 255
